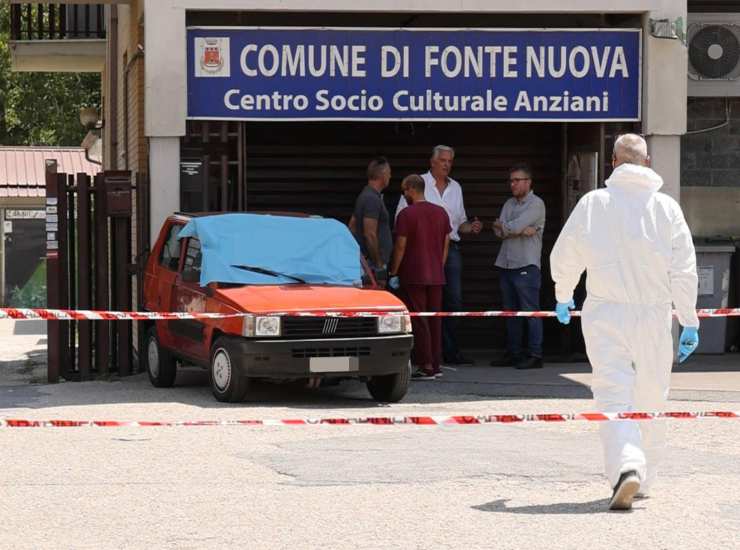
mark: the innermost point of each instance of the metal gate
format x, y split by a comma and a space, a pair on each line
92, 263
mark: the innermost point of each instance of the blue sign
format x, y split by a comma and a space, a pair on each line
407, 74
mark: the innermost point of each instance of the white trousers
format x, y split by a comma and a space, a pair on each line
631, 353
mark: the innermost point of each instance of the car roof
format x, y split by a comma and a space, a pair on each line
189, 215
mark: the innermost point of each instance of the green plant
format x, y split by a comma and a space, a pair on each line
33, 293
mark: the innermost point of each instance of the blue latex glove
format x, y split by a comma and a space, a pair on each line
563, 312
394, 282
688, 343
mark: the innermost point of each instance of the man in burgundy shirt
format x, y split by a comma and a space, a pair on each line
419, 255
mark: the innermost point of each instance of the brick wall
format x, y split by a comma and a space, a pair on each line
711, 159
132, 153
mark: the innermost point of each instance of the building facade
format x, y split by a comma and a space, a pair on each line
202, 163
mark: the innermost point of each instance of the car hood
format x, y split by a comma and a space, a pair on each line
297, 297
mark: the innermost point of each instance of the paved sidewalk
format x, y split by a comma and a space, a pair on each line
703, 377
22, 352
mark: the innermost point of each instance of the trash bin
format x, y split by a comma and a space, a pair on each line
713, 259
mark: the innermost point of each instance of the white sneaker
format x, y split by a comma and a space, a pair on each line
625, 491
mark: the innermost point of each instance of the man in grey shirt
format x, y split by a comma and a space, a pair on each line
370, 223
520, 227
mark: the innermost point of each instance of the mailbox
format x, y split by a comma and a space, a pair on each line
118, 194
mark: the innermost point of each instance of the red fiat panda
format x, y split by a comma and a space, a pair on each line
258, 265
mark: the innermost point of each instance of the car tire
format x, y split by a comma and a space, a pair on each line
160, 365
390, 388
227, 384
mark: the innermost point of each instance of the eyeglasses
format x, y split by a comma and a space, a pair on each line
515, 180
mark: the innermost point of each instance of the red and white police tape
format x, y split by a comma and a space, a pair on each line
377, 420
88, 315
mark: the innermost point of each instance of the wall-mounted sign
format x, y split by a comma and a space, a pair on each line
13, 214
414, 74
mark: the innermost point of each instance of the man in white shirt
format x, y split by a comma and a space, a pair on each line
442, 190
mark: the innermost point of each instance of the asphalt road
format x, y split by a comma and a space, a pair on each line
492, 486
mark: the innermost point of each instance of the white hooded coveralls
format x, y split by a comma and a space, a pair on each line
638, 254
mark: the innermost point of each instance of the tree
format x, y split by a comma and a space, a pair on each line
41, 108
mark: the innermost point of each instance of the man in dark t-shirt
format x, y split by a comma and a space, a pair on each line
422, 243
370, 223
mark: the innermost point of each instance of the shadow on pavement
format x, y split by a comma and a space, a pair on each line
565, 508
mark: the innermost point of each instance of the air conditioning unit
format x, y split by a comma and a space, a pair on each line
714, 54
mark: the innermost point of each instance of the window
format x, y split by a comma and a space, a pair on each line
170, 257
193, 255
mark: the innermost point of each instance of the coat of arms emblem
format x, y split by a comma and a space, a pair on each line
212, 57
212, 60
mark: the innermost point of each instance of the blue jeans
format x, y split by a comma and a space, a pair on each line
452, 301
520, 290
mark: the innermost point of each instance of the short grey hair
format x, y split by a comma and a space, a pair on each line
442, 148
631, 148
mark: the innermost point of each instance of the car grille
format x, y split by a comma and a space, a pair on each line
349, 351
334, 327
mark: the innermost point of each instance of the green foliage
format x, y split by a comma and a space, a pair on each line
41, 108
33, 293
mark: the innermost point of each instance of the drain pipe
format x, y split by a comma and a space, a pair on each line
139, 54
113, 89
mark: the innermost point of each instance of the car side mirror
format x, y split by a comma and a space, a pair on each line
190, 275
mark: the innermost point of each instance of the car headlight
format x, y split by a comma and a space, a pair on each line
394, 324
260, 326
267, 326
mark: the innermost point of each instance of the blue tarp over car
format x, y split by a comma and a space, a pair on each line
316, 250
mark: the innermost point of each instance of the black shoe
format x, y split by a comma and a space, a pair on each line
459, 359
507, 360
530, 363
420, 375
625, 491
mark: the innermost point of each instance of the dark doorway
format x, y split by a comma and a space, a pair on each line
25, 248
319, 167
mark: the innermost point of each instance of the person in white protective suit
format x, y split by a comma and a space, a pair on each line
637, 251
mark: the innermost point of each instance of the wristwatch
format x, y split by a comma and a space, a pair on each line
380, 272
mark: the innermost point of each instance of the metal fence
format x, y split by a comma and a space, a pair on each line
91, 265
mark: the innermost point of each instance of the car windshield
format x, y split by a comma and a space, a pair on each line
267, 250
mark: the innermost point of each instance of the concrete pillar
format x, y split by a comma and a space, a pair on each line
665, 152
164, 177
664, 96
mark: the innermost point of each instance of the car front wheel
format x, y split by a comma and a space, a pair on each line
390, 388
226, 382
